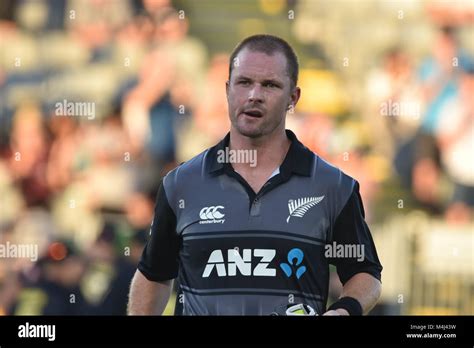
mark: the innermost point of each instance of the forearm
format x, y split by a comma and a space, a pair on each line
148, 297
364, 288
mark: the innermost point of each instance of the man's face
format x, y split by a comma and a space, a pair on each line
259, 93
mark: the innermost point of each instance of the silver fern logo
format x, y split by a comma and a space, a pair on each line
300, 206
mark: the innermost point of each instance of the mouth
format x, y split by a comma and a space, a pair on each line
253, 113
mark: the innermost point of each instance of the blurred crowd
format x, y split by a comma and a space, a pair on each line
86, 184
82, 187
427, 124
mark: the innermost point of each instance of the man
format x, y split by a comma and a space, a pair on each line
56, 289
253, 237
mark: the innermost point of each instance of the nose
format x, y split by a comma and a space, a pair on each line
256, 94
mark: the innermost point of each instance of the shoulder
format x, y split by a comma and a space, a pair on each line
332, 176
339, 186
188, 173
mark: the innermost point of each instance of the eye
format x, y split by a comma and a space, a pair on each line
270, 84
244, 82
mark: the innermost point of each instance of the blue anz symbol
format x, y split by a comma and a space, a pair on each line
295, 257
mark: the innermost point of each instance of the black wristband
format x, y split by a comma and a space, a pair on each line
350, 304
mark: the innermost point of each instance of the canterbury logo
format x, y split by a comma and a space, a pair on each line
211, 215
300, 206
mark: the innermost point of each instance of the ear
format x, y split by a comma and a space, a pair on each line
227, 89
295, 96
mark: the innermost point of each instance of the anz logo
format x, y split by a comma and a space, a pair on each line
295, 257
242, 264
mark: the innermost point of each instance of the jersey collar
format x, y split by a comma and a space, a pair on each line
298, 160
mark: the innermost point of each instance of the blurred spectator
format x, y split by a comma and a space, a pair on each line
418, 160
455, 137
106, 179
439, 76
62, 153
210, 118
166, 88
139, 210
55, 291
95, 21
107, 280
211, 115
395, 103
29, 154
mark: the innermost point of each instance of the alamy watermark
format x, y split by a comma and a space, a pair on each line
237, 156
11, 250
28, 330
351, 251
75, 109
401, 109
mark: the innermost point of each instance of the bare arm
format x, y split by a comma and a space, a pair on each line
147, 297
364, 288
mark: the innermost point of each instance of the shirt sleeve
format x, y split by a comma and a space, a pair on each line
351, 232
159, 261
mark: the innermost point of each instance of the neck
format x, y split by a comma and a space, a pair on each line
270, 149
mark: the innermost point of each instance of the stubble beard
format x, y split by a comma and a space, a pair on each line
255, 132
